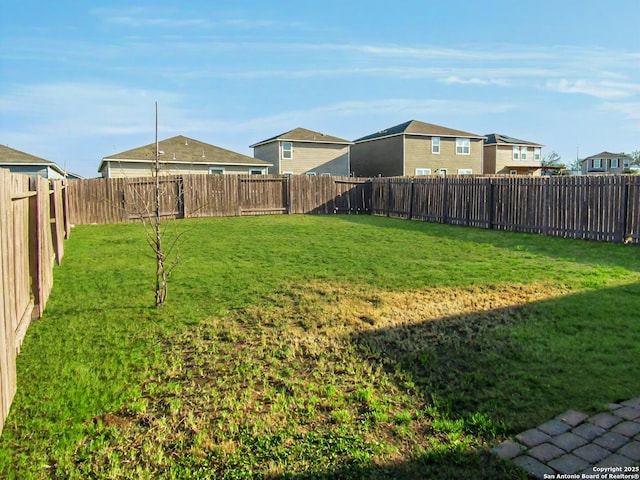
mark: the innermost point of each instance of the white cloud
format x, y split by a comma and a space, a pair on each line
595, 88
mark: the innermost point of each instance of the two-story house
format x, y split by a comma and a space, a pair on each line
302, 151
417, 148
511, 156
606, 162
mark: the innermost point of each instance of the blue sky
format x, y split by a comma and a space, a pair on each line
79, 79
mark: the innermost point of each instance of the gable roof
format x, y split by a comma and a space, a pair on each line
181, 149
303, 135
607, 155
416, 127
11, 156
500, 139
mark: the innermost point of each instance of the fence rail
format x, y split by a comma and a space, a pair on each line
33, 224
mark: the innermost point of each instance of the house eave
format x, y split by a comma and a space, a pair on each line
179, 162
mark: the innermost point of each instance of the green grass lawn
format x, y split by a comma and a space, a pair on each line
304, 347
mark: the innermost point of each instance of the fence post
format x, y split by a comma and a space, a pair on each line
410, 199
624, 208
35, 248
490, 203
388, 196
445, 189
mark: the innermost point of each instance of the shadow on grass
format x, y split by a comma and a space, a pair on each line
446, 466
505, 370
581, 251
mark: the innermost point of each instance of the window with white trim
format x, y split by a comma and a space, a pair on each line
312, 174
536, 153
465, 171
435, 145
516, 152
423, 171
463, 146
523, 153
513, 172
443, 172
615, 163
287, 173
597, 163
287, 150
256, 171
216, 170
625, 163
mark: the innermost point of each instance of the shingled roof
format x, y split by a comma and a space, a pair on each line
181, 149
607, 155
499, 139
303, 135
11, 156
416, 127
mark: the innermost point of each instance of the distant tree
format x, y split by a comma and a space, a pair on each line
552, 159
635, 157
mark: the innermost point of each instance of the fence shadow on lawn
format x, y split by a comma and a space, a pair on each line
502, 371
577, 250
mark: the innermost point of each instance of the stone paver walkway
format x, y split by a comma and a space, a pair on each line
600, 446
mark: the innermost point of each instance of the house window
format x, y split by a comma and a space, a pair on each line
615, 163
311, 174
523, 153
287, 150
435, 145
256, 171
463, 146
516, 153
536, 153
597, 163
216, 170
287, 173
625, 163
423, 171
513, 172
443, 172
465, 171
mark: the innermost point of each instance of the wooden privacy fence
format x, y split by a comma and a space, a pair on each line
603, 207
32, 228
118, 200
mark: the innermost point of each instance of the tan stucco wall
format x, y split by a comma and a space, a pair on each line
418, 155
133, 169
377, 157
504, 159
489, 160
269, 152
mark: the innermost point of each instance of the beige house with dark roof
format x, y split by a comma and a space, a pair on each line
417, 148
606, 162
302, 151
25, 163
511, 156
180, 156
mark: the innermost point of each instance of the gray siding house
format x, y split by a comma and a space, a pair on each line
179, 155
25, 163
606, 162
417, 148
302, 151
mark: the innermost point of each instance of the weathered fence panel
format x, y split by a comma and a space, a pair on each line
32, 229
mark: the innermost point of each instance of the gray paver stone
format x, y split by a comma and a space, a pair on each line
605, 420
634, 402
631, 450
592, 453
611, 441
615, 460
614, 406
546, 452
532, 437
628, 429
572, 417
588, 431
628, 413
568, 441
554, 427
568, 463
533, 466
508, 449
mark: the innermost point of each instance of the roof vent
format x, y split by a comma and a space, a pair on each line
186, 141
202, 153
174, 156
